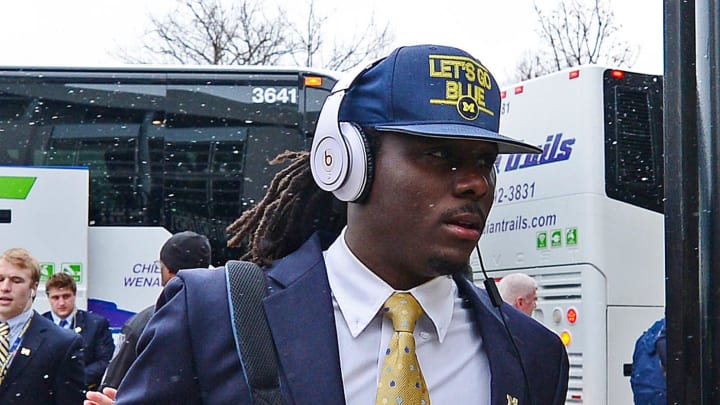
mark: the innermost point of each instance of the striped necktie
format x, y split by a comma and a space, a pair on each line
4, 347
401, 381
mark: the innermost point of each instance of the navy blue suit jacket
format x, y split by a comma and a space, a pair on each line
187, 352
97, 342
47, 368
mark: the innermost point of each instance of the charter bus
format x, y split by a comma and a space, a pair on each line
168, 149
585, 217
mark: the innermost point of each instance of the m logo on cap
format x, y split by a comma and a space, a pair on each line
468, 108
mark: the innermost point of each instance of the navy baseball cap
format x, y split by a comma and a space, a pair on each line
430, 90
186, 250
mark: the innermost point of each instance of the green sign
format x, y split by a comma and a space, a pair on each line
46, 270
571, 237
15, 187
556, 238
73, 269
541, 240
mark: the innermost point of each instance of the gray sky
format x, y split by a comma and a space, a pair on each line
85, 32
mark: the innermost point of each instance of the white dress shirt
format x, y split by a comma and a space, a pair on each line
450, 351
70, 318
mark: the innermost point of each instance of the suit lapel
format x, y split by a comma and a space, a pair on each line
301, 318
32, 339
508, 383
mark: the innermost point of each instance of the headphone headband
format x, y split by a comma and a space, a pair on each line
348, 79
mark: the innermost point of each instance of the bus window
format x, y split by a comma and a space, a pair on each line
111, 160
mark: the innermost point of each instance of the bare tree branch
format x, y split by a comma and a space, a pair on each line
209, 32
370, 44
310, 39
373, 41
252, 32
575, 33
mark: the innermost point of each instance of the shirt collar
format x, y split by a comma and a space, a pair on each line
19, 321
69, 318
360, 293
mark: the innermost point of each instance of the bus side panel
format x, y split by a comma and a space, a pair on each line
48, 217
125, 278
625, 324
634, 255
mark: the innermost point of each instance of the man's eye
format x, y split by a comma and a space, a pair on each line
440, 154
486, 162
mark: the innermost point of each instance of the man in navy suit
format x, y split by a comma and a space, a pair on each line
44, 364
409, 144
183, 250
98, 344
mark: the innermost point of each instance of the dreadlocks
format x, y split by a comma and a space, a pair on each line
292, 209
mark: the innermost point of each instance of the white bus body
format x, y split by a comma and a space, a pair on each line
44, 210
585, 217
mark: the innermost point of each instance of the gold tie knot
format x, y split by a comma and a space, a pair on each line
4, 329
404, 311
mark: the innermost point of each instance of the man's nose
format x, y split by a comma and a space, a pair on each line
473, 181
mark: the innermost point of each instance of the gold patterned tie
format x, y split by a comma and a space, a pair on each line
401, 381
4, 347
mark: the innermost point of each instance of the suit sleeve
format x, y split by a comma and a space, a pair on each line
104, 348
69, 384
563, 375
163, 372
548, 362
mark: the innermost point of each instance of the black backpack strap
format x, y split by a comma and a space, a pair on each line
246, 289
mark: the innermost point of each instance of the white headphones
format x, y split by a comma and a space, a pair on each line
339, 158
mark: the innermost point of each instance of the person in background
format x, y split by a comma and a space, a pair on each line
98, 345
184, 250
648, 380
520, 291
367, 301
39, 362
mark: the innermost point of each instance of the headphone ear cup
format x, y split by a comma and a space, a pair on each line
339, 153
351, 189
329, 155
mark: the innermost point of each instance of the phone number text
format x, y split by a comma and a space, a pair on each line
515, 192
